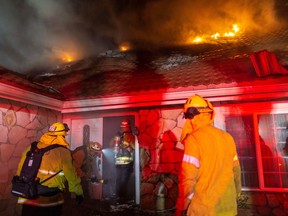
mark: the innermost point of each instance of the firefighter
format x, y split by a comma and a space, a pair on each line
210, 175
84, 160
53, 161
124, 161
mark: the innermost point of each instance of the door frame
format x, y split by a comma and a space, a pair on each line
68, 119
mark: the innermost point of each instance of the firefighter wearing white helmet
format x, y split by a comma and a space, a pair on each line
210, 174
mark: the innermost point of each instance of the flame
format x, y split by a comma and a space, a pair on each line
67, 58
235, 28
229, 34
124, 47
233, 33
67, 54
198, 40
216, 36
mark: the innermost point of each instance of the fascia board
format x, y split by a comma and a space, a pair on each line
20, 95
238, 94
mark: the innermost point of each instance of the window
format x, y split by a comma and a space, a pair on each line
273, 135
262, 147
242, 130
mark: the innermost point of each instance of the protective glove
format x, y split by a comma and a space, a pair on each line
79, 199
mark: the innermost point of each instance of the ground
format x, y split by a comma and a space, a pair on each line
102, 208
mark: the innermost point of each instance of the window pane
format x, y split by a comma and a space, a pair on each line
273, 138
242, 130
281, 125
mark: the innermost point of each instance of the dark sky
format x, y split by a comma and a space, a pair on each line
40, 33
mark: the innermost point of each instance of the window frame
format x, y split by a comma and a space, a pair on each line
253, 109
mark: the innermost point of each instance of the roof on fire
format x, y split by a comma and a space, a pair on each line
170, 69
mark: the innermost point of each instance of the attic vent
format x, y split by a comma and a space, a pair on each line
266, 63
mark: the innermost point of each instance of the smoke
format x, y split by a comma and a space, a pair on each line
40, 34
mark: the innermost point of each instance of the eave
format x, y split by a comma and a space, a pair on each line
28, 97
229, 94
232, 94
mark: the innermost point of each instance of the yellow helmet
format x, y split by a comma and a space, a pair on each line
58, 128
196, 105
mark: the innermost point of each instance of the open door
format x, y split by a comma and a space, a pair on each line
111, 127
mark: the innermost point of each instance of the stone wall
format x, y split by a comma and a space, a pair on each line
263, 203
160, 158
20, 124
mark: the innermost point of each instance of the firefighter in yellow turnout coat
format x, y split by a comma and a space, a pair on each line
53, 161
210, 175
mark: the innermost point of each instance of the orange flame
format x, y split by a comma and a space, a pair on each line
124, 47
67, 58
67, 55
198, 40
217, 35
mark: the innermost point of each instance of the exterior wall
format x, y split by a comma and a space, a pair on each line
20, 124
160, 158
160, 153
263, 203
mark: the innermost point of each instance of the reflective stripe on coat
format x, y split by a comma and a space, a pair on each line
53, 161
210, 176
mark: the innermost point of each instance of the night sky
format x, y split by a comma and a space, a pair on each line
38, 34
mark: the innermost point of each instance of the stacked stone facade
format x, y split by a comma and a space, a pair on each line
20, 124
160, 158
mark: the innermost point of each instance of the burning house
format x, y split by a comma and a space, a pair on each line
242, 72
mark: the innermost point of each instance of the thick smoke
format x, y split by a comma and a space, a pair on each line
38, 34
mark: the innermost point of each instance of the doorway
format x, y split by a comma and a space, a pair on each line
84, 132
111, 127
